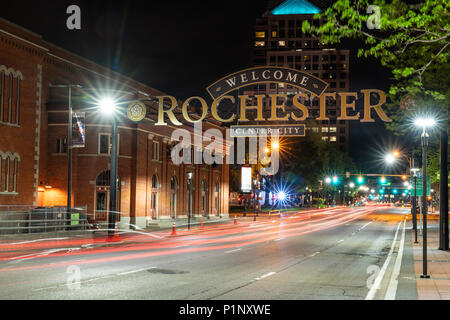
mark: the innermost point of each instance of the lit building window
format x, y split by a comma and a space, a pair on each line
325, 138
315, 129
260, 34
274, 34
333, 129
324, 129
333, 138
260, 43
282, 43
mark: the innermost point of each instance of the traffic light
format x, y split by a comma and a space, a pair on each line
360, 179
395, 191
383, 180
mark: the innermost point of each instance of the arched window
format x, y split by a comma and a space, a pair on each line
10, 83
9, 168
103, 179
155, 182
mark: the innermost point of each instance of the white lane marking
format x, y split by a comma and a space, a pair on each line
315, 254
37, 240
342, 240
134, 271
266, 275
376, 284
44, 253
230, 251
393, 283
365, 225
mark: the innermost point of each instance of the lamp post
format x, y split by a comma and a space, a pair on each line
424, 123
69, 141
108, 106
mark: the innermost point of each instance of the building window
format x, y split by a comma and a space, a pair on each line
332, 129
104, 143
260, 43
260, 34
155, 153
10, 84
315, 129
333, 138
282, 43
274, 34
61, 145
325, 138
9, 168
204, 195
324, 129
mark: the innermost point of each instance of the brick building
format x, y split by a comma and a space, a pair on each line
279, 41
33, 140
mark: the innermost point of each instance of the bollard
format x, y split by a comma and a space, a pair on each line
235, 221
116, 232
174, 231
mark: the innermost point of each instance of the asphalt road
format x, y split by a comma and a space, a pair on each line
340, 253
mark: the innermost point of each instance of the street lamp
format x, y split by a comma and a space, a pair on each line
424, 123
328, 180
390, 159
69, 141
108, 107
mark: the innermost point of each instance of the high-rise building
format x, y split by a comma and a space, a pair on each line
279, 41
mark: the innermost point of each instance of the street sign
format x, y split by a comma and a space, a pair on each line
419, 184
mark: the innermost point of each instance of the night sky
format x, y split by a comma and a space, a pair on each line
180, 47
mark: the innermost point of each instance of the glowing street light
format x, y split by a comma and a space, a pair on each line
383, 180
390, 159
351, 185
425, 122
328, 180
107, 105
335, 179
275, 145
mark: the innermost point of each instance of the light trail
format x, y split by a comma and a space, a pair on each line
254, 237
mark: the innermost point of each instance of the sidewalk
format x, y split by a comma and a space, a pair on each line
438, 286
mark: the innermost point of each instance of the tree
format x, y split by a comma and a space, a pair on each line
310, 160
412, 39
